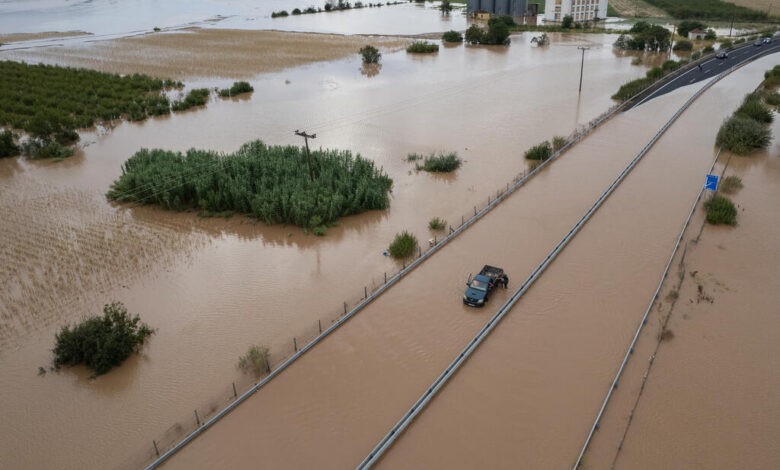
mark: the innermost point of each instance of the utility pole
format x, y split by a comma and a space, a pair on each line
671, 43
582, 64
306, 138
731, 28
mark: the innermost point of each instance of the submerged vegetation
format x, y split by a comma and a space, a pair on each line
731, 184
713, 9
255, 360
452, 36
720, 210
540, 152
403, 245
238, 88
49, 102
195, 97
271, 183
8, 146
422, 47
645, 37
747, 130
370, 54
437, 224
101, 343
441, 163
629, 89
497, 33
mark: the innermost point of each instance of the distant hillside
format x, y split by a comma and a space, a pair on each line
711, 9
636, 8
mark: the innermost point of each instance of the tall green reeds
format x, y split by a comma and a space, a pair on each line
268, 182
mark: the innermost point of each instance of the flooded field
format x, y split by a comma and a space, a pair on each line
213, 287
335, 403
709, 399
532, 390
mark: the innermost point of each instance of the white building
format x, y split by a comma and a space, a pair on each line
580, 10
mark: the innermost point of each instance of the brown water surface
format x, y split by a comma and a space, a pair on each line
212, 287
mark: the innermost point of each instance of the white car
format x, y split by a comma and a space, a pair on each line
767, 40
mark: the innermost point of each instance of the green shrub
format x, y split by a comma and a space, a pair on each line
655, 73
445, 6
268, 182
669, 65
542, 40
403, 246
726, 44
772, 78
8, 147
255, 360
422, 47
687, 26
710, 35
452, 36
296, 11
720, 210
683, 45
708, 50
442, 163
238, 88
696, 55
773, 99
539, 152
437, 224
498, 32
558, 142
567, 22
753, 108
739, 41
101, 343
629, 89
196, 97
730, 184
742, 135
282, 13
36, 148
474, 35
413, 157
370, 54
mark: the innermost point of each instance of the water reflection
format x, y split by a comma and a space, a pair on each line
370, 70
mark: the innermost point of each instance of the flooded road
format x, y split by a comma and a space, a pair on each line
530, 393
332, 406
710, 397
213, 287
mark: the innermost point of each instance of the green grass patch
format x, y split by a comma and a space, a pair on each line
437, 224
238, 88
268, 182
423, 47
540, 152
441, 163
731, 184
773, 99
101, 342
720, 210
403, 246
708, 9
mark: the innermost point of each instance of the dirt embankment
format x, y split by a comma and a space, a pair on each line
195, 52
19, 37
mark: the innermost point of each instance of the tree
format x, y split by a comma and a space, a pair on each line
474, 35
371, 54
542, 40
710, 36
452, 36
568, 22
445, 6
639, 27
686, 26
498, 33
8, 147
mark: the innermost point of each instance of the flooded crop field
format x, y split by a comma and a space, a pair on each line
213, 287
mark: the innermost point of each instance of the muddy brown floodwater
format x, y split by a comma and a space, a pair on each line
530, 393
333, 405
710, 399
212, 288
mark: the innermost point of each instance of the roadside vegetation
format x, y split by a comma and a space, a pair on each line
271, 183
437, 224
50, 102
720, 210
731, 184
540, 152
424, 47
101, 342
441, 163
255, 360
370, 54
772, 78
403, 246
747, 130
631, 88
238, 88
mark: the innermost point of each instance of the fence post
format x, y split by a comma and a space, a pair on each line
156, 450
235, 394
434, 240
475, 210
462, 220
419, 251
365, 292
385, 277
197, 418
295, 344
488, 199
319, 322
345, 308
507, 187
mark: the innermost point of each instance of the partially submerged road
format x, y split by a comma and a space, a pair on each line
711, 68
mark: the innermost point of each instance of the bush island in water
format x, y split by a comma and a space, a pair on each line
268, 182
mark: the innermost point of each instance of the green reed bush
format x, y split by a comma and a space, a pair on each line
753, 108
539, 152
720, 210
452, 36
255, 360
195, 97
441, 163
268, 182
743, 135
238, 88
437, 224
422, 47
8, 146
403, 246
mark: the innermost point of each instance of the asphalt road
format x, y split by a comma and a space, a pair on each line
712, 67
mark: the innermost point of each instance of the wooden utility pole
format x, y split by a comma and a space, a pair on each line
306, 138
582, 64
731, 28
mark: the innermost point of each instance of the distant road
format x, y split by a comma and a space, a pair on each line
711, 68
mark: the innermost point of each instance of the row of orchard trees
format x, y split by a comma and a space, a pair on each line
268, 182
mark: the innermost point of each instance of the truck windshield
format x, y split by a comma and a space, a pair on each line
479, 285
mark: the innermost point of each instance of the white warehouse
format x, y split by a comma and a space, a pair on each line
580, 10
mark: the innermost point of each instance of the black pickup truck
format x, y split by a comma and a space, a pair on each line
480, 287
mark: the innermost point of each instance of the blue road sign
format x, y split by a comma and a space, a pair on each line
711, 183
